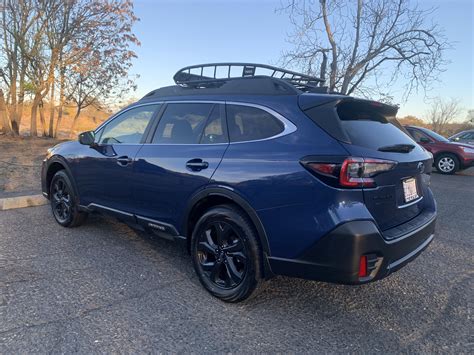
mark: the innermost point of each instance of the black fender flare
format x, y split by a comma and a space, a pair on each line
239, 201
61, 160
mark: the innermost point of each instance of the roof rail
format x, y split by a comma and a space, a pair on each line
216, 74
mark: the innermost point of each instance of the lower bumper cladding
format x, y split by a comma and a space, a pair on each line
355, 253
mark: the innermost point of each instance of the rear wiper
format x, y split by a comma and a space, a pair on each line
398, 148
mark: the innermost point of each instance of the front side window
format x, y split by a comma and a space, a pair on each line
128, 127
417, 135
182, 123
248, 123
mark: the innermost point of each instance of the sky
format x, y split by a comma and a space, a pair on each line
175, 34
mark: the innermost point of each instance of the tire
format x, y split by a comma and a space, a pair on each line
64, 202
447, 163
226, 253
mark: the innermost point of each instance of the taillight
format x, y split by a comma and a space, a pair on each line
351, 172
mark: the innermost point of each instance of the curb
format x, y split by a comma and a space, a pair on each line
9, 203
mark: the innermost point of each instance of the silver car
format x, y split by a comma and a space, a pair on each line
464, 137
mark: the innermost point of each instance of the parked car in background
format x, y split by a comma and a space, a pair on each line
258, 175
449, 157
463, 137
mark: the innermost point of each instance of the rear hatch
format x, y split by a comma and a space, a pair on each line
369, 130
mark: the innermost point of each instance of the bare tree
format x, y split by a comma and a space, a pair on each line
43, 41
368, 44
442, 112
470, 116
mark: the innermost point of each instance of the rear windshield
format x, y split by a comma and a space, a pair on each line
370, 127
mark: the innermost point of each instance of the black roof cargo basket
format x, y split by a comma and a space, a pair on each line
216, 74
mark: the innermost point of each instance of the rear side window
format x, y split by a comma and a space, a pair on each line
369, 126
248, 123
215, 130
182, 123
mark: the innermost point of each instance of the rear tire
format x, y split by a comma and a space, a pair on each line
447, 163
226, 253
64, 202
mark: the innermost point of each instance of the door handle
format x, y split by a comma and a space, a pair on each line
123, 160
197, 164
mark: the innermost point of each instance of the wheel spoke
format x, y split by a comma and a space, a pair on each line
233, 274
208, 266
215, 271
223, 230
238, 255
206, 247
236, 246
210, 241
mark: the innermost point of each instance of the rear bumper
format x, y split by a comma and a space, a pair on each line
335, 258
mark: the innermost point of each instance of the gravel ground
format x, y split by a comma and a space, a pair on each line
103, 287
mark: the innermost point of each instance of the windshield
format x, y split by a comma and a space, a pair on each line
435, 135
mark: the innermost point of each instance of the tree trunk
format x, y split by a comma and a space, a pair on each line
51, 111
43, 122
3, 115
21, 95
74, 120
34, 110
61, 101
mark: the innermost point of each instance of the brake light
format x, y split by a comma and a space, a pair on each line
352, 172
359, 172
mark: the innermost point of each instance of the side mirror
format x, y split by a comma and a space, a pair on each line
424, 140
87, 138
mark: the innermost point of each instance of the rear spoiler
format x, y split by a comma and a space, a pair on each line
308, 101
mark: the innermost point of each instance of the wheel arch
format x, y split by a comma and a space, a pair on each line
56, 164
214, 196
446, 152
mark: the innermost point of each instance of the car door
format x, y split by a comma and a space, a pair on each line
104, 175
186, 148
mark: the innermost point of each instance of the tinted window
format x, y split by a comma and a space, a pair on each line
182, 123
371, 126
417, 135
128, 127
215, 130
250, 123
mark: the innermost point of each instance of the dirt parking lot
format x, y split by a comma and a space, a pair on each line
106, 288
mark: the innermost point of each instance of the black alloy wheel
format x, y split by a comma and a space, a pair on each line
64, 201
61, 201
226, 253
222, 255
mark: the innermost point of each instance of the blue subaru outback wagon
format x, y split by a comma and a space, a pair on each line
261, 172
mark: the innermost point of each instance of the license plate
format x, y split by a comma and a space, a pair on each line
409, 189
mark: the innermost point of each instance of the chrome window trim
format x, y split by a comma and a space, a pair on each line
288, 126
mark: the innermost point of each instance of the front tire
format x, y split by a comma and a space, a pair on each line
447, 164
64, 201
226, 253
